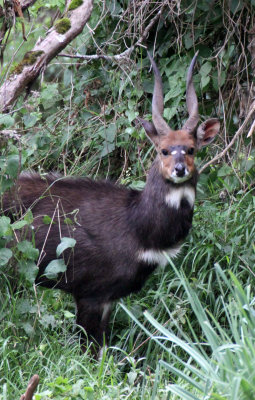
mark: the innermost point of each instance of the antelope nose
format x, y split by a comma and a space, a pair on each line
180, 169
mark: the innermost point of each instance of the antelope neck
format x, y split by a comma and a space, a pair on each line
158, 189
162, 212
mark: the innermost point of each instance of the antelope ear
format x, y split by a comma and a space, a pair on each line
150, 130
207, 131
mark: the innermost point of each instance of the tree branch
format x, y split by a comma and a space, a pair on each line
24, 6
42, 53
125, 54
32, 385
238, 133
26, 3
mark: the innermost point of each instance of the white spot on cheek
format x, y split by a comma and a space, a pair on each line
175, 196
174, 152
183, 151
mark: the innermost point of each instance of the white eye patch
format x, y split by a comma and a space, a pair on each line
175, 152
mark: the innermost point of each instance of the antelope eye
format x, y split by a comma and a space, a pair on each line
191, 151
164, 152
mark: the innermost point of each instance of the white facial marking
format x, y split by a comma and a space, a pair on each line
174, 152
179, 179
158, 257
183, 151
175, 196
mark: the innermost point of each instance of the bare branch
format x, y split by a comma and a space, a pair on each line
32, 385
26, 3
10, 134
118, 57
125, 54
42, 53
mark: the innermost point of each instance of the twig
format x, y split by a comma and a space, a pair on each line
32, 385
117, 57
238, 133
251, 129
125, 54
10, 133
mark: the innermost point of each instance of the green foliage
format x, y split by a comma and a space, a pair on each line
74, 4
29, 59
63, 25
66, 243
55, 267
223, 366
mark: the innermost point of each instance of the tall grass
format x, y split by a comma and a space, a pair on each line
219, 361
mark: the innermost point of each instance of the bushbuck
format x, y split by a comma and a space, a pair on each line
121, 234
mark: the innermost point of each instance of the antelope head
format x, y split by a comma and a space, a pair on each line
176, 148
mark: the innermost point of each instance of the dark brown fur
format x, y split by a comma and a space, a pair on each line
120, 233
110, 224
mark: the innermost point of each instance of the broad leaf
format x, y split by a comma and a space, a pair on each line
54, 268
66, 243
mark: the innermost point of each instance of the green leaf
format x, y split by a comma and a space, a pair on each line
174, 92
28, 328
205, 69
169, 113
66, 243
23, 306
29, 217
50, 95
107, 149
54, 268
30, 119
19, 224
29, 269
68, 314
13, 163
224, 171
188, 40
204, 81
68, 221
108, 133
218, 81
131, 114
28, 250
5, 226
48, 320
5, 255
6, 120
47, 220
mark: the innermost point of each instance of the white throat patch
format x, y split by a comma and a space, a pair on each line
158, 257
175, 196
